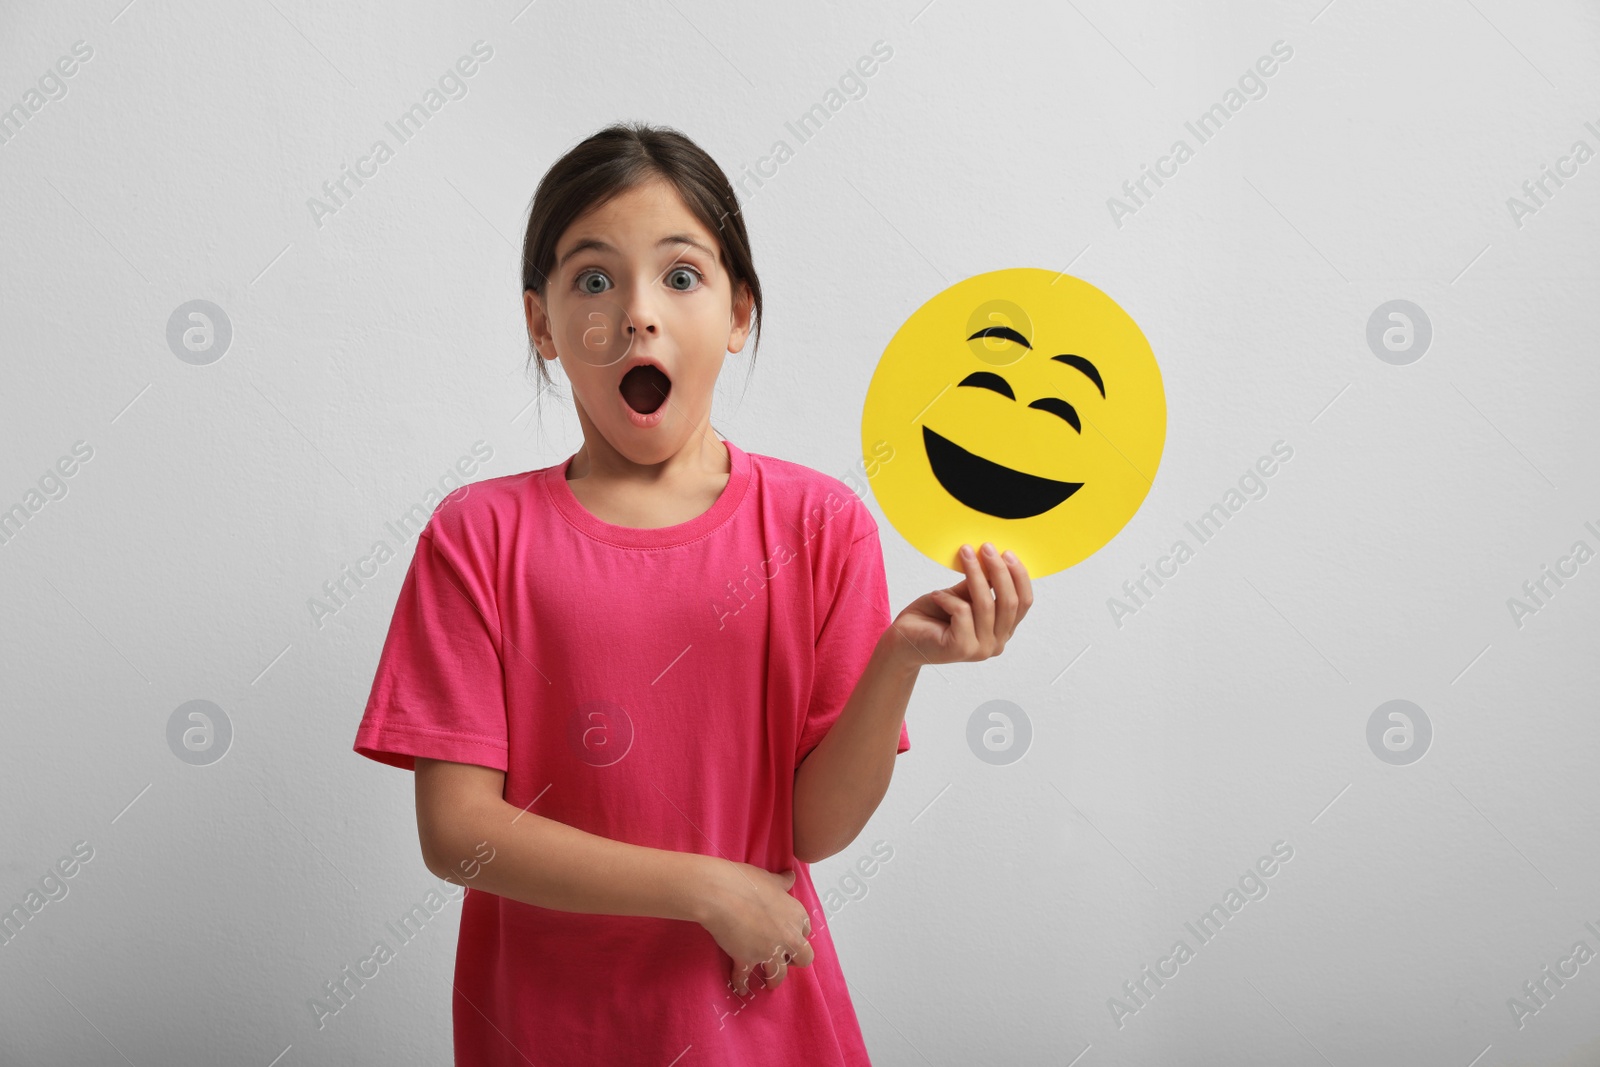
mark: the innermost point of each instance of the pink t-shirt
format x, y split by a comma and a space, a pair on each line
658, 687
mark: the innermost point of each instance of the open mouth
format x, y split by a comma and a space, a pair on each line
986, 486
645, 388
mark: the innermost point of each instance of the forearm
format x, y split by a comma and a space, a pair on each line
549, 864
840, 784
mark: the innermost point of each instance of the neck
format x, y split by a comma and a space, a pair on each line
701, 454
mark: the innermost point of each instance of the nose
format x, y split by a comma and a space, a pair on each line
641, 312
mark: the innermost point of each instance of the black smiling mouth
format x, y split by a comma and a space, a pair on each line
986, 486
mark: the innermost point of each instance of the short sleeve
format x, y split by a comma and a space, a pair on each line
439, 691
856, 619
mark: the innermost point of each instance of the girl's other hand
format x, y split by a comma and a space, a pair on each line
757, 923
971, 620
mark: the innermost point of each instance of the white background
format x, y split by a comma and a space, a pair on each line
1229, 713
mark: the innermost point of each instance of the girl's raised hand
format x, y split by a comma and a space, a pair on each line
971, 620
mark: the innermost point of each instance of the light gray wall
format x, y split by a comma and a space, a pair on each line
372, 347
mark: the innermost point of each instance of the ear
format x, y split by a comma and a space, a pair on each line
740, 323
538, 325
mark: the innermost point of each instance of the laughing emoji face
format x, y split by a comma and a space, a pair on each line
1022, 407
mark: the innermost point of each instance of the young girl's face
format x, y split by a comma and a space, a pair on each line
639, 281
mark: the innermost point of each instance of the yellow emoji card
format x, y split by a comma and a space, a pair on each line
1022, 407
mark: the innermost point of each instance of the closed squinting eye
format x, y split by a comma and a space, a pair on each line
986, 380
1056, 406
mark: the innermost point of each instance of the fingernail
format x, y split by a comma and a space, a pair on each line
1010, 556
966, 552
988, 549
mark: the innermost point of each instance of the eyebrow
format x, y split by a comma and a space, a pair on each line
1079, 362
600, 246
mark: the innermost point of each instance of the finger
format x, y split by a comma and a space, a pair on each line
929, 600
1005, 595
958, 631
981, 598
1024, 584
804, 957
798, 934
790, 876
774, 970
740, 978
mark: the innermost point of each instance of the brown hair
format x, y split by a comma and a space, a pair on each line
614, 160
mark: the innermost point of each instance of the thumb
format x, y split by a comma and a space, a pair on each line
789, 874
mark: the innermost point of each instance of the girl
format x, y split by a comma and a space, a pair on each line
643, 689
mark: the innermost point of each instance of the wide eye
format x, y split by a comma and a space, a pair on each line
583, 286
1059, 407
985, 380
687, 275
